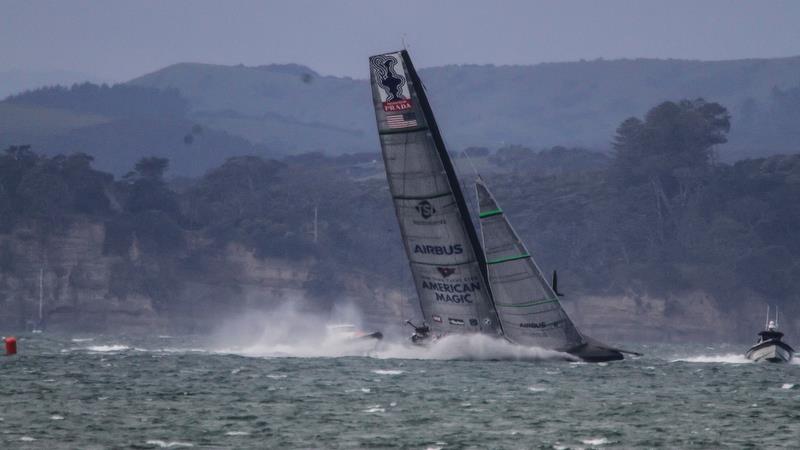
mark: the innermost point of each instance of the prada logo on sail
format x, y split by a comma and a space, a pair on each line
456, 249
452, 293
400, 105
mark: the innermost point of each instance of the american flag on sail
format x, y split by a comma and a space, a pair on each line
406, 120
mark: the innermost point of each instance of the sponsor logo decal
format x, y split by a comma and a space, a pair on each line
425, 209
452, 293
541, 324
487, 321
446, 271
455, 321
437, 319
455, 249
393, 85
400, 105
473, 322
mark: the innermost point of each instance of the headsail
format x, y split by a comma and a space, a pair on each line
527, 305
446, 259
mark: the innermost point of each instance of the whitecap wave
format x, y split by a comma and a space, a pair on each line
82, 339
300, 334
728, 358
107, 348
388, 372
594, 441
473, 347
170, 444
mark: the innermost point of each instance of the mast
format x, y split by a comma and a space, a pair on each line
766, 323
315, 225
448, 165
41, 292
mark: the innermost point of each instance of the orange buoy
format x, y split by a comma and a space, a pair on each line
11, 345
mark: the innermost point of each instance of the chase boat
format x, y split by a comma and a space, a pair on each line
770, 346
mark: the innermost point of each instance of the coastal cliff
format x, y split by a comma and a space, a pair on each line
79, 292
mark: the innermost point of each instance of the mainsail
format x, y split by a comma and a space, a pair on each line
446, 259
527, 305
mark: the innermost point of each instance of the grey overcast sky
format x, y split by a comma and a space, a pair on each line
118, 40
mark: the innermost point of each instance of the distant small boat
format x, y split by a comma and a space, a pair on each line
349, 332
770, 346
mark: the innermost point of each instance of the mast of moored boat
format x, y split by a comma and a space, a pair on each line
41, 293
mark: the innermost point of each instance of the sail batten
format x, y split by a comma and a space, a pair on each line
444, 254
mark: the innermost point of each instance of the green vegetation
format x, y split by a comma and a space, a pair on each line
660, 216
665, 216
198, 115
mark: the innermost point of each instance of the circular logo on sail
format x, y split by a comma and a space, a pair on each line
425, 209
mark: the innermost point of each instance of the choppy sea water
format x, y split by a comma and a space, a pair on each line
175, 392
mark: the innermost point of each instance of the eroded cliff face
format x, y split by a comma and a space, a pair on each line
75, 283
79, 286
691, 316
81, 291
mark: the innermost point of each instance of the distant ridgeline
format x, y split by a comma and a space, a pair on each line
198, 115
119, 100
117, 125
659, 217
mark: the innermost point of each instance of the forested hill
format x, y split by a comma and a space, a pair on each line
573, 103
197, 115
117, 125
666, 236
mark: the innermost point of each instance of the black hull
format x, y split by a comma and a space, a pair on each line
377, 335
595, 351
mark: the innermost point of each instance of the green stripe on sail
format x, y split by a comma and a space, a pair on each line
508, 258
491, 213
534, 303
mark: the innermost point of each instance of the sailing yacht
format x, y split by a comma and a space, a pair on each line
770, 346
455, 281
